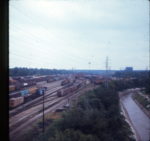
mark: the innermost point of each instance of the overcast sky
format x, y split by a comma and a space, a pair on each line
66, 34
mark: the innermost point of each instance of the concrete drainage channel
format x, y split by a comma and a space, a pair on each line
139, 121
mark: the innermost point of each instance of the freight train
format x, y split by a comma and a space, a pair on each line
65, 82
19, 86
18, 83
24, 96
69, 89
24, 92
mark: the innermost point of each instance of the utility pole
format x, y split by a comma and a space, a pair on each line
43, 92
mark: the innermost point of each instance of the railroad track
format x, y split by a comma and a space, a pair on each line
20, 121
33, 102
23, 126
34, 110
34, 107
28, 117
14, 129
47, 100
49, 97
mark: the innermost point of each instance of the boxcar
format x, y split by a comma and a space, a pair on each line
32, 90
64, 92
24, 92
41, 91
12, 88
13, 102
64, 82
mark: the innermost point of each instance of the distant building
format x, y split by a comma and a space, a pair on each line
129, 69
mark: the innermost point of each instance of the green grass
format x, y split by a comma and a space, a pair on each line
143, 101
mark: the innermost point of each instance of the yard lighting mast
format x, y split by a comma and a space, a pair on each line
43, 93
89, 65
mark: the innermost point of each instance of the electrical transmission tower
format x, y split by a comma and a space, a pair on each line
106, 65
107, 69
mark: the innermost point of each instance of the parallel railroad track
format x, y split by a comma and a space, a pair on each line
15, 127
33, 102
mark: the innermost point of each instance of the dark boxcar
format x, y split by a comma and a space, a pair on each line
64, 82
73, 88
41, 91
59, 93
79, 85
64, 92
50, 80
18, 86
17, 94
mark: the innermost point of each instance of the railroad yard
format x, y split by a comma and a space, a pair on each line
29, 95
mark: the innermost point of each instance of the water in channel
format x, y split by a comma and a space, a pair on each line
139, 119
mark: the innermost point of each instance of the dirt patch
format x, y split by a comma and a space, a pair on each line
55, 116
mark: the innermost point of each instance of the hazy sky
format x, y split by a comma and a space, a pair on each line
65, 34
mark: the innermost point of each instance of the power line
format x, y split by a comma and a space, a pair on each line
46, 30
56, 51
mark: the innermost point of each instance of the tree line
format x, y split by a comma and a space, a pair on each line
135, 74
34, 71
140, 79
